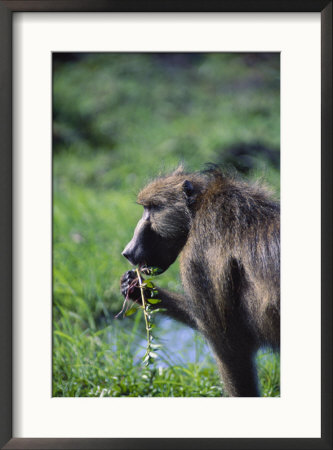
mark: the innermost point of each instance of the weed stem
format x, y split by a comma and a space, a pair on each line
144, 308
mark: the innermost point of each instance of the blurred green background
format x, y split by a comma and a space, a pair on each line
118, 121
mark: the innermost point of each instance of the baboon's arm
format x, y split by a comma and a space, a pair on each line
175, 305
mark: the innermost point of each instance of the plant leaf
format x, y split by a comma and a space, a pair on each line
146, 357
153, 301
155, 346
154, 311
131, 311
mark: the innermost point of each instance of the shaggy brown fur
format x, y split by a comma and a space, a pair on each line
227, 234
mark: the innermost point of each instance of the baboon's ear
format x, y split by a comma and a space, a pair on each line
189, 191
188, 188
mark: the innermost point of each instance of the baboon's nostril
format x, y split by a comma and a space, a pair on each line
128, 254
125, 253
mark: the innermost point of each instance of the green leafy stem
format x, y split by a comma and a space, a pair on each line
148, 312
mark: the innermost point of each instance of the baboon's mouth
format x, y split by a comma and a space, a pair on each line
151, 270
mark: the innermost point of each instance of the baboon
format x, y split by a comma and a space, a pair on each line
227, 233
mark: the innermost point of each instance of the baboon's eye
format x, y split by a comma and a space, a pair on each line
150, 210
154, 207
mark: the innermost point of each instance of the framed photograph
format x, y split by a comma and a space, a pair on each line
99, 100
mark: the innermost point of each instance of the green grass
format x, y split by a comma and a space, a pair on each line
118, 121
108, 362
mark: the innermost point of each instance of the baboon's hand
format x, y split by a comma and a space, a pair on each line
129, 287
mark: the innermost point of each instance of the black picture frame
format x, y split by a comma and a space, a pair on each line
7, 9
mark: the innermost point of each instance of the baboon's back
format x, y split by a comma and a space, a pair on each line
231, 264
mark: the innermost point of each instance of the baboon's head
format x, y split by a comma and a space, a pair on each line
162, 231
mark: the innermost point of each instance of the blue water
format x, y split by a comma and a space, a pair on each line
180, 345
